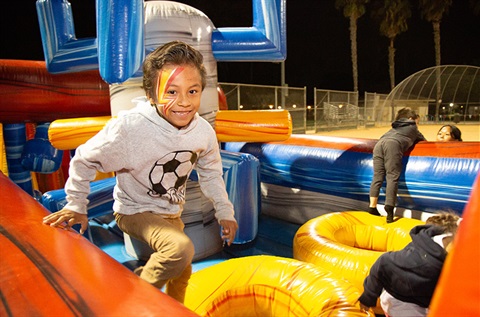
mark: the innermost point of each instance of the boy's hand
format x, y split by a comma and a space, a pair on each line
229, 229
67, 217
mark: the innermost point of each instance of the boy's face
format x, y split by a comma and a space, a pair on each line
179, 89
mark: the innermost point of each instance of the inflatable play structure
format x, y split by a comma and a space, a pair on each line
298, 198
265, 285
39, 263
328, 174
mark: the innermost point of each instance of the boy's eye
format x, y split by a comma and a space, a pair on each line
193, 91
171, 92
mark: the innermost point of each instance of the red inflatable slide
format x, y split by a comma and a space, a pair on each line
55, 272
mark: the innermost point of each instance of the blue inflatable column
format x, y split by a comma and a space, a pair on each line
15, 139
120, 38
241, 172
39, 155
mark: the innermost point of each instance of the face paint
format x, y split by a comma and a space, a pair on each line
165, 100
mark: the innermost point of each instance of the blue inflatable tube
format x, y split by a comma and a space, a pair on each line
266, 40
62, 50
120, 38
15, 138
427, 184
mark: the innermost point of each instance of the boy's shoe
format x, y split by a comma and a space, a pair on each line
373, 211
389, 210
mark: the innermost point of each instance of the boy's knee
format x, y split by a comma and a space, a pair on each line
185, 249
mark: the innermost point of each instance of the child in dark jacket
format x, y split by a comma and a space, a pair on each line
387, 159
405, 280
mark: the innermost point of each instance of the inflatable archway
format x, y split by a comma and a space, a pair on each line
119, 49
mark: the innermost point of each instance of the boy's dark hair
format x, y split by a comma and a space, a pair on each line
446, 219
406, 113
175, 53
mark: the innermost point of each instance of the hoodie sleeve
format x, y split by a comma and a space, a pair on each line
420, 137
105, 153
210, 178
373, 284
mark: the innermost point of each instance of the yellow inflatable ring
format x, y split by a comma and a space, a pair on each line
266, 285
348, 243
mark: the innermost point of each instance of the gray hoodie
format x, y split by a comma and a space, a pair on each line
152, 160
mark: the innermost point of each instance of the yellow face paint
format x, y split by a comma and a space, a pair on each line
166, 100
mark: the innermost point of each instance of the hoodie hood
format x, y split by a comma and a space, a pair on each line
422, 238
403, 122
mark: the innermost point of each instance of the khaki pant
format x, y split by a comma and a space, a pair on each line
171, 262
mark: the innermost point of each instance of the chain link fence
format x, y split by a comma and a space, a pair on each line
373, 114
259, 97
336, 110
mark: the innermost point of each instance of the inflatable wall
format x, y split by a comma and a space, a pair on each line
307, 176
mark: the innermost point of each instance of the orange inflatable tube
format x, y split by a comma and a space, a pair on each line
265, 285
230, 125
47, 271
68, 134
253, 125
348, 243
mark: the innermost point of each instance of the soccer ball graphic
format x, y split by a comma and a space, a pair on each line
168, 176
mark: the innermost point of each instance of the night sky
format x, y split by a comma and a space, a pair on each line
318, 43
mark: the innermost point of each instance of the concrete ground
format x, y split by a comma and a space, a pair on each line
470, 132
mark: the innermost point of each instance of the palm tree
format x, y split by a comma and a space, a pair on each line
353, 10
475, 5
393, 16
433, 11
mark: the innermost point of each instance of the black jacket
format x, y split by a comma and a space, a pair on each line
405, 131
409, 275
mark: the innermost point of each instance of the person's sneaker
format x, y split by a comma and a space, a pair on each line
390, 217
373, 211
389, 210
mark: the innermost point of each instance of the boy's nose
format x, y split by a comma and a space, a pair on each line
183, 100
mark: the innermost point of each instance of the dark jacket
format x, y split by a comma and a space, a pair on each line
405, 131
409, 275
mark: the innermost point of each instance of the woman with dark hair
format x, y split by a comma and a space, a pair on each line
448, 133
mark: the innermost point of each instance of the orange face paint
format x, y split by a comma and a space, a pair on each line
166, 100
